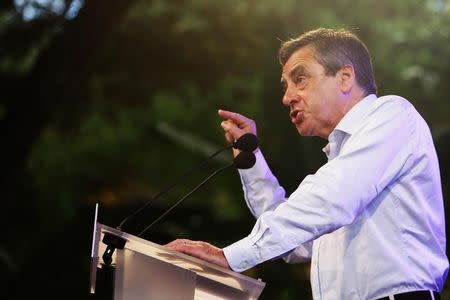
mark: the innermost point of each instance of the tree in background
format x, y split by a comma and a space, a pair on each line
108, 101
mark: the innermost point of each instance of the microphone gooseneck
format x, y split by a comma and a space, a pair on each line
175, 182
247, 142
244, 160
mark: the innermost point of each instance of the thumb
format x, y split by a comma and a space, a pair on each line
232, 131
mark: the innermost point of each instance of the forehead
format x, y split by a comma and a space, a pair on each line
302, 61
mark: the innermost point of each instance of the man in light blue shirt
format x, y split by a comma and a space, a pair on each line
371, 220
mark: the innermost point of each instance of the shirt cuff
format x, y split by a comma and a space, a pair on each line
241, 255
258, 170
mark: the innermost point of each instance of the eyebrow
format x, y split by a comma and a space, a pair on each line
298, 69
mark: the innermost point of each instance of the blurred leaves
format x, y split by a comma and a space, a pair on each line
118, 124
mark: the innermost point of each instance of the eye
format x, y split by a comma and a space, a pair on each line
284, 86
300, 79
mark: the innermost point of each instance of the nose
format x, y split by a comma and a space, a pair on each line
289, 97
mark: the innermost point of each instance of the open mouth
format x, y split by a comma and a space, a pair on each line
295, 115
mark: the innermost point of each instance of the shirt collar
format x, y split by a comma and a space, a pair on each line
352, 119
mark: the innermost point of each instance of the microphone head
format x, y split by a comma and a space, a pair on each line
247, 142
244, 160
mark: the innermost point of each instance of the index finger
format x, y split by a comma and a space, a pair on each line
238, 118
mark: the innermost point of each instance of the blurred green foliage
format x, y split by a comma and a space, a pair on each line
143, 110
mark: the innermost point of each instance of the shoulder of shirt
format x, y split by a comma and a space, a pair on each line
396, 109
372, 108
396, 105
386, 107
392, 101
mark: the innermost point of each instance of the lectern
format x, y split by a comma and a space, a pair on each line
146, 270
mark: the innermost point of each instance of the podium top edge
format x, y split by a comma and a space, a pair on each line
163, 253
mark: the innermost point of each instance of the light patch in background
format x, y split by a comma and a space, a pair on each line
34, 9
439, 6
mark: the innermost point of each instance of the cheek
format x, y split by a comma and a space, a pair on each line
324, 103
317, 104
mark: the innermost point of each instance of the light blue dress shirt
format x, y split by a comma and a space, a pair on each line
371, 219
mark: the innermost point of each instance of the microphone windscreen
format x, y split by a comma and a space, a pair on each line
244, 160
247, 142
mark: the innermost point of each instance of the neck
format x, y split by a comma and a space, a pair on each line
347, 102
352, 100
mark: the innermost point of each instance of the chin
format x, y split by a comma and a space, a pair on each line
301, 132
304, 132
302, 129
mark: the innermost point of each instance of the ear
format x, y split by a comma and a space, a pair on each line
347, 77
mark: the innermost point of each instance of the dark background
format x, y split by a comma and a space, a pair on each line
108, 101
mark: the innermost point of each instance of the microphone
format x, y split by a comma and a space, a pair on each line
244, 160
247, 142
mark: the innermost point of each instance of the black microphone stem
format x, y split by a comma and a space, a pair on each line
186, 196
187, 173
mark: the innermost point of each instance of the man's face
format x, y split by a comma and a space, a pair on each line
312, 96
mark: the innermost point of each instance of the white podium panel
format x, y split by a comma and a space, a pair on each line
146, 270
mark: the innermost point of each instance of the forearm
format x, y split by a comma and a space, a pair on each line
262, 191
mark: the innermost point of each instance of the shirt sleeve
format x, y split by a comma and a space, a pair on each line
373, 157
262, 192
